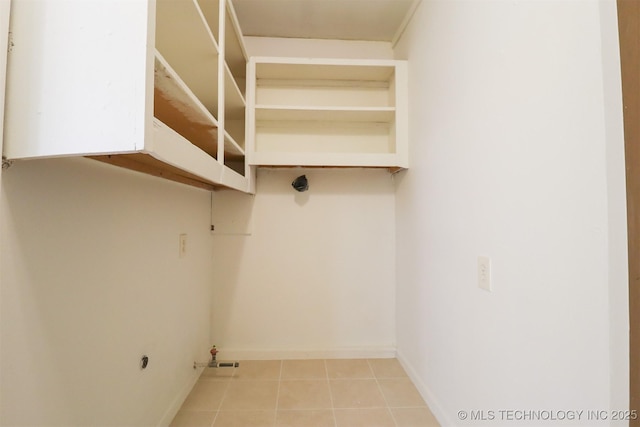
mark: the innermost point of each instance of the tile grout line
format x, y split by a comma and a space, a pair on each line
395, 422
333, 407
226, 389
275, 412
380, 377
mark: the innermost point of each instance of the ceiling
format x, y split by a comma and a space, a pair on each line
373, 20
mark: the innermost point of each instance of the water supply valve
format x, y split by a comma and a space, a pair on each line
213, 363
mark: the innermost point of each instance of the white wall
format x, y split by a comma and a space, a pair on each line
513, 156
90, 281
316, 277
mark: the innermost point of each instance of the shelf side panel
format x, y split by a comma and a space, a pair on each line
401, 126
77, 77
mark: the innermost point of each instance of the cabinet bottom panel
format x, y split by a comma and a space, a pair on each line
151, 166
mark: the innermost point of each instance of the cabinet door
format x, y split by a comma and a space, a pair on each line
79, 78
5, 8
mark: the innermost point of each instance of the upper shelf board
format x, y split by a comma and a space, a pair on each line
185, 40
328, 114
318, 69
176, 106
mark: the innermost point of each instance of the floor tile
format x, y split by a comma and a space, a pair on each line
356, 394
245, 419
371, 417
258, 370
205, 396
304, 394
414, 417
303, 369
250, 396
348, 368
387, 368
222, 374
193, 419
400, 392
305, 418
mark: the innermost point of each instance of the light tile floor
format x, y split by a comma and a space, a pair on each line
306, 393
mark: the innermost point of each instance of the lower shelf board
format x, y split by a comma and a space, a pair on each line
391, 169
202, 135
307, 159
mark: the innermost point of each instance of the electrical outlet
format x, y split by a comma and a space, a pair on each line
182, 249
484, 273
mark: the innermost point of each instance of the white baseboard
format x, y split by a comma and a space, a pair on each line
288, 354
434, 404
179, 399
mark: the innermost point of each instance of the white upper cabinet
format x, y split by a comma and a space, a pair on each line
156, 86
324, 112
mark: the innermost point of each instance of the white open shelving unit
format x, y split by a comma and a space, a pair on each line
156, 86
327, 112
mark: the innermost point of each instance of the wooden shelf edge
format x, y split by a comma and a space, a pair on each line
180, 24
178, 107
172, 157
238, 151
233, 16
366, 160
232, 86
